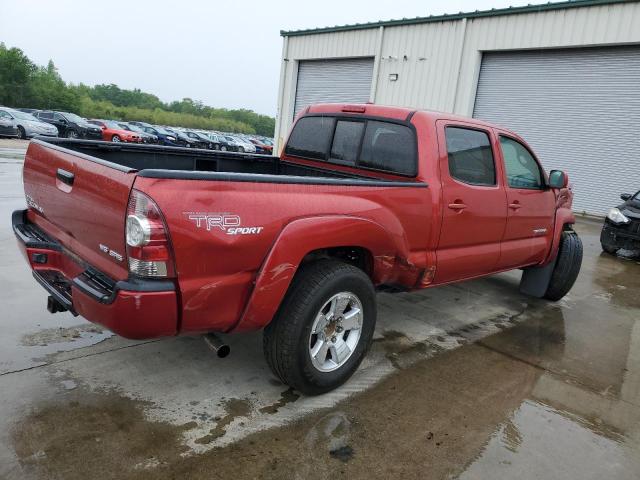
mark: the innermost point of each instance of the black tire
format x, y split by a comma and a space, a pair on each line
21, 133
286, 339
610, 250
72, 134
567, 266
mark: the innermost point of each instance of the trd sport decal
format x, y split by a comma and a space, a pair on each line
226, 222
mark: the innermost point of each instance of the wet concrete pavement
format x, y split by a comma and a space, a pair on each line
470, 381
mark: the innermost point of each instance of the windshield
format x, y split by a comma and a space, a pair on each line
124, 126
112, 124
23, 116
163, 131
74, 118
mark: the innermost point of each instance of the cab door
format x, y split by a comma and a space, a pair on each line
474, 205
531, 205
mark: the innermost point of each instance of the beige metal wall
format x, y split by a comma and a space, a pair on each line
438, 63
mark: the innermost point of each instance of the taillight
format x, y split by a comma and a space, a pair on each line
148, 248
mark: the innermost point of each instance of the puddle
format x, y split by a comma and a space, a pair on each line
286, 397
235, 408
81, 335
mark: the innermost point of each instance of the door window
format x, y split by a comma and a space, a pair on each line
522, 169
45, 115
4, 114
470, 156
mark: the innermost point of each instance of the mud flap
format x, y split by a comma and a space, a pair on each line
535, 280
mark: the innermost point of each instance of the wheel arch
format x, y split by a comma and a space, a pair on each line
355, 240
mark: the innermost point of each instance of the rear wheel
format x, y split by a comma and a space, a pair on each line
21, 133
116, 139
223, 148
567, 266
72, 134
323, 328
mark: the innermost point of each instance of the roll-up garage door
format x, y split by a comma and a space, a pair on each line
578, 108
333, 81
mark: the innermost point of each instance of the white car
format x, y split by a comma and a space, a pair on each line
28, 125
244, 145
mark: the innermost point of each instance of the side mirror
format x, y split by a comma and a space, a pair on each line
63, 121
558, 179
625, 196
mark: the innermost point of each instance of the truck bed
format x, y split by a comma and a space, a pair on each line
172, 162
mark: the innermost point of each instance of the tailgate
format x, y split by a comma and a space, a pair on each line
81, 201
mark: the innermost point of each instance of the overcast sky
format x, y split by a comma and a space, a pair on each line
225, 53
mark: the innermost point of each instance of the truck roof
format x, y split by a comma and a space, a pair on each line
397, 113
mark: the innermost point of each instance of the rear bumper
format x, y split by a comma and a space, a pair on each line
131, 308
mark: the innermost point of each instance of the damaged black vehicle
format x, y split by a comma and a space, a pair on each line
621, 229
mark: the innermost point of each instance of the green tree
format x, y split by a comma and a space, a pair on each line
16, 70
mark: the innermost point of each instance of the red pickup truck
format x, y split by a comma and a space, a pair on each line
153, 241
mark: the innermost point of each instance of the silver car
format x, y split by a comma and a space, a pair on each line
28, 126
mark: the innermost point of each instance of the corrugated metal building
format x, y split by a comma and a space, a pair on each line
565, 76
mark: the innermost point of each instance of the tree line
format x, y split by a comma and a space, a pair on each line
25, 84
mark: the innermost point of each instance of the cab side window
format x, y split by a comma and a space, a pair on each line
470, 156
522, 169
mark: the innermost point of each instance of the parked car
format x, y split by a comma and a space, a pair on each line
28, 126
223, 144
8, 126
201, 140
112, 131
261, 147
189, 247
244, 145
621, 229
233, 143
183, 140
70, 125
164, 136
146, 137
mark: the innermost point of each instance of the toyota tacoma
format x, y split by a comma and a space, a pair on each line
153, 241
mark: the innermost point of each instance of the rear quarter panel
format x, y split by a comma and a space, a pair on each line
217, 270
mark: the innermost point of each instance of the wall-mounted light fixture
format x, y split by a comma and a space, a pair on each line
393, 77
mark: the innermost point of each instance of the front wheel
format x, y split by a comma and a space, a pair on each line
567, 266
223, 148
116, 139
72, 134
22, 135
323, 328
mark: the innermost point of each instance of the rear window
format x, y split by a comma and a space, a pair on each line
310, 138
346, 142
361, 142
390, 147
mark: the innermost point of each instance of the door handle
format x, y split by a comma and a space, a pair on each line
457, 206
515, 205
65, 177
